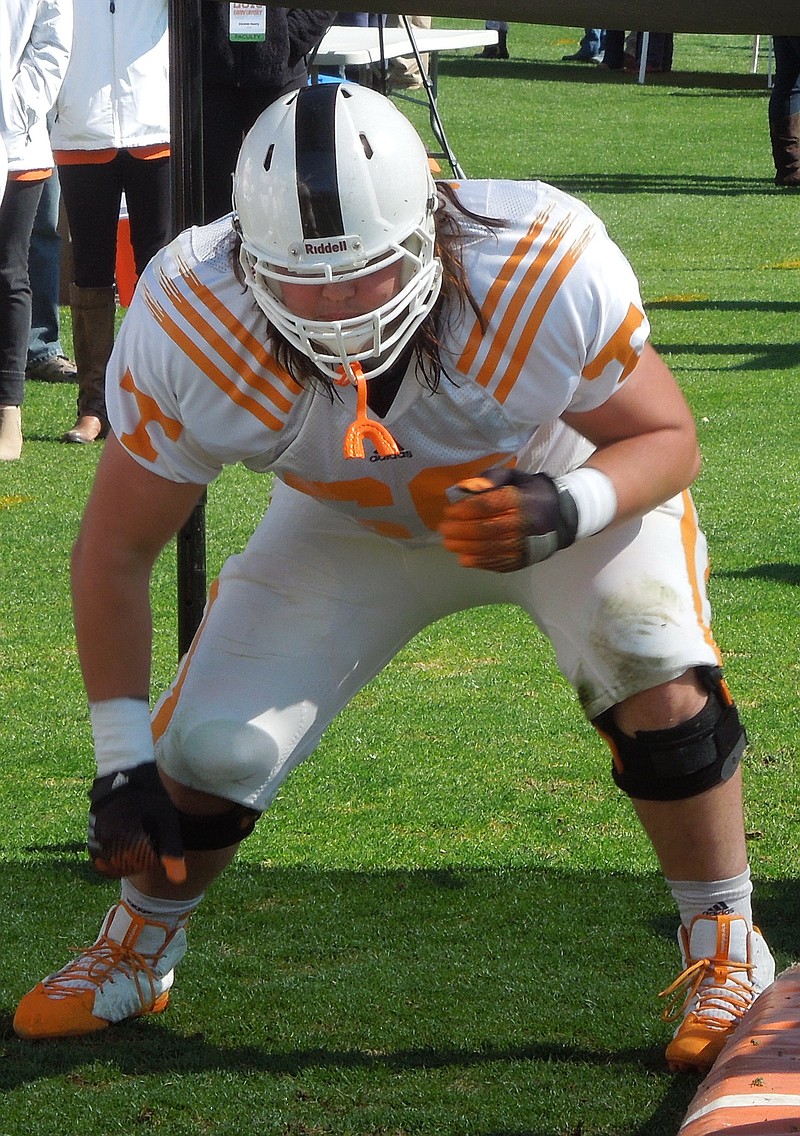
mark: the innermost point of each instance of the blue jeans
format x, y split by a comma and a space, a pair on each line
592, 42
359, 20
44, 270
784, 101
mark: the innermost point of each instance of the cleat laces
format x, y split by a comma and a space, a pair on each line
96, 965
721, 995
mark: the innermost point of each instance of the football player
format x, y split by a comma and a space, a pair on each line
454, 389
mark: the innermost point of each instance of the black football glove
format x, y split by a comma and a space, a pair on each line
504, 520
134, 826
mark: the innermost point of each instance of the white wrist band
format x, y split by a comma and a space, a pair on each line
594, 496
122, 734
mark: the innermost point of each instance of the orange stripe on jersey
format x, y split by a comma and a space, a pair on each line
224, 347
163, 715
618, 347
366, 492
689, 534
237, 329
489, 305
534, 321
209, 368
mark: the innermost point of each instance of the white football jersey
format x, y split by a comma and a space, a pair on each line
192, 387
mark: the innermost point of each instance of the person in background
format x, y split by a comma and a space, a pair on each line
784, 111
404, 72
614, 49
111, 136
591, 47
35, 44
454, 390
248, 61
360, 20
660, 50
47, 362
497, 50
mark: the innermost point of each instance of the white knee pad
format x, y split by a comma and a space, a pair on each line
236, 760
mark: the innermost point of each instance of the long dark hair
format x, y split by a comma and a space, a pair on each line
454, 224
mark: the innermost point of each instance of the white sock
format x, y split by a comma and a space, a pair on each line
713, 897
169, 911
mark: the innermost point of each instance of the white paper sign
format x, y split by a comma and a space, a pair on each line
248, 22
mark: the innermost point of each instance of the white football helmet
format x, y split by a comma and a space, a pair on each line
332, 184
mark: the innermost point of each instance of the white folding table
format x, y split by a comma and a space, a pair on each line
364, 47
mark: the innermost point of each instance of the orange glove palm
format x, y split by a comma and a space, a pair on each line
505, 520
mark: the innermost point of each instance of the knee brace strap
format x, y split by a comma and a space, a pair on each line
221, 830
684, 760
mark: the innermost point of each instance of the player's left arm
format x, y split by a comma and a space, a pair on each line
646, 452
645, 437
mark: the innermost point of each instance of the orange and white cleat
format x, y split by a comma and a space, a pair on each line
726, 967
126, 973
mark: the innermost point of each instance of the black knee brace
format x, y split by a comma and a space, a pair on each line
684, 760
221, 830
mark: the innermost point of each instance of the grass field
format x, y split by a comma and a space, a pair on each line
449, 924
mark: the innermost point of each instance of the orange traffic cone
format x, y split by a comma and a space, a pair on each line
754, 1087
125, 266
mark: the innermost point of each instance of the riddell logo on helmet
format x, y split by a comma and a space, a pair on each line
317, 248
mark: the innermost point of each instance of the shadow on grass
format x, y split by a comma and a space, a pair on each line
723, 83
773, 573
512, 973
754, 356
695, 304
664, 182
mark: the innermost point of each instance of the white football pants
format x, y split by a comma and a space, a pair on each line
317, 605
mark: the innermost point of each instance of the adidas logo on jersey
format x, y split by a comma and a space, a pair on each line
390, 457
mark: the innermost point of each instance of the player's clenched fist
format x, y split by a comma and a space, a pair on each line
506, 520
133, 825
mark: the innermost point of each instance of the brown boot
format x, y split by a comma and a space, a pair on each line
93, 312
88, 428
785, 137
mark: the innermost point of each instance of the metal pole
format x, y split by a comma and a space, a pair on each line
186, 133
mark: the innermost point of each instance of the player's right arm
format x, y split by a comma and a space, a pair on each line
130, 515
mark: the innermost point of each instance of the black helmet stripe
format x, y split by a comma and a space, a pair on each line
315, 150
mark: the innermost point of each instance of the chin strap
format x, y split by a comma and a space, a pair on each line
363, 428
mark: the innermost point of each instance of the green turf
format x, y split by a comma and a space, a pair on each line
449, 923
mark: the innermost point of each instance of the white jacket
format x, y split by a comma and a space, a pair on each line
116, 91
35, 42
